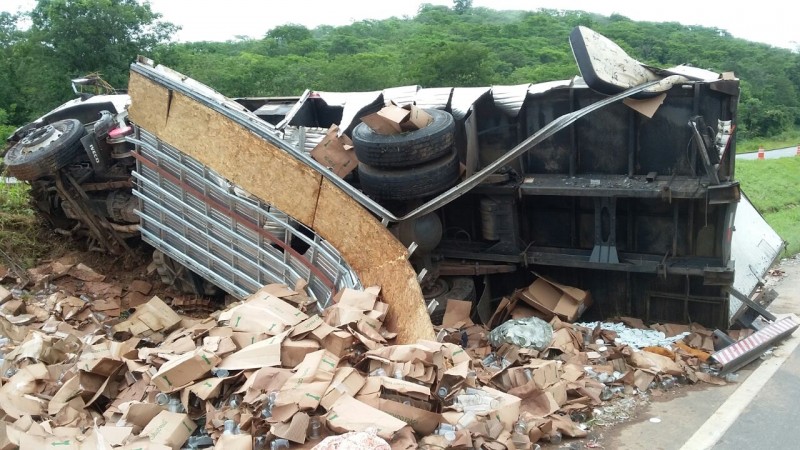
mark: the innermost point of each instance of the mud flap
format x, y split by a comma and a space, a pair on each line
736, 356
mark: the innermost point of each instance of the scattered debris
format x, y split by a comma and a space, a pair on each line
80, 365
636, 337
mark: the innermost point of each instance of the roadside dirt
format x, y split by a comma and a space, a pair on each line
123, 276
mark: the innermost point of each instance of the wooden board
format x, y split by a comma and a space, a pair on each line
276, 177
218, 142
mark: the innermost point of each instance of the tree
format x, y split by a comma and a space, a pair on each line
8, 79
98, 35
452, 64
462, 6
289, 33
290, 39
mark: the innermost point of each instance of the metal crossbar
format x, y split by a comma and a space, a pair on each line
230, 238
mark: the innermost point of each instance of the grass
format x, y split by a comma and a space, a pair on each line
773, 186
21, 234
789, 138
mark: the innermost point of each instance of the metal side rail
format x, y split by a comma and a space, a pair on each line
741, 353
239, 243
212, 99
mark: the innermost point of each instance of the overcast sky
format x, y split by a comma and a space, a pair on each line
773, 22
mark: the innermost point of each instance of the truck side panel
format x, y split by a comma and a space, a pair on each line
274, 176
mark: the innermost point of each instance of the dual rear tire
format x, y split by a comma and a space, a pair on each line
409, 165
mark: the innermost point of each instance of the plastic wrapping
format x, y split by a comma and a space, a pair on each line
636, 337
355, 440
530, 332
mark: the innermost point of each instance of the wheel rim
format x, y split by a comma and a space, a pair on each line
40, 138
439, 288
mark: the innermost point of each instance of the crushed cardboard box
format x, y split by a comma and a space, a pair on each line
278, 369
393, 119
335, 151
554, 299
155, 316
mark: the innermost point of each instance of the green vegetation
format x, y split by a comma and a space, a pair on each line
790, 138
440, 46
5, 128
772, 186
21, 233
67, 39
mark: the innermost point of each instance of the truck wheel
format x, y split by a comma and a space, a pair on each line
407, 184
406, 149
45, 150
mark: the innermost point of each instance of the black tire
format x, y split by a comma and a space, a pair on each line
407, 184
45, 150
408, 149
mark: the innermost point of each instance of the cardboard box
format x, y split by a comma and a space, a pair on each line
140, 414
294, 430
263, 313
106, 437
374, 386
507, 411
184, 370
418, 371
266, 353
170, 429
293, 352
551, 298
242, 339
341, 315
144, 444
31, 442
17, 395
394, 119
234, 442
349, 414
338, 342
456, 314
363, 300
310, 380
544, 373
13, 307
154, 316
307, 326
5, 295
336, 152
412, 412
208, 388
347, 381
370, 328
403, 400
5, 442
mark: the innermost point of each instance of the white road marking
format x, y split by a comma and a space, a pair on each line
722, 419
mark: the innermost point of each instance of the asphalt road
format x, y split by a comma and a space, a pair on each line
736, 415
769, 421
771, 154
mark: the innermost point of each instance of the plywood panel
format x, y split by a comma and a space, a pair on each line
377, 257
276, 177
360, 236
407, 314
234, 152
152, 101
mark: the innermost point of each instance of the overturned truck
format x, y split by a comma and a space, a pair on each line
620, 182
